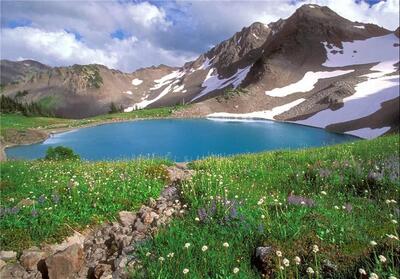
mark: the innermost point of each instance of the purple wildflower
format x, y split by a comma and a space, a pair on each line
34, 213
42, 199
56, 198
14, 210
202, 213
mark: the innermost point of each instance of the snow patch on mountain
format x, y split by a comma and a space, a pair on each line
145, 103
167, 79
372, 50
212, 82
369, 133
265, 114
136, 82
367, 99
359, 26
306, 84
178, 88
128, 92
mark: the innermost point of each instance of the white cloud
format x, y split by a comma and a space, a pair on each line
169, 32
62, 48
148, 15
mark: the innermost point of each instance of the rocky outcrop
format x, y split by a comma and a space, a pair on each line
106, 252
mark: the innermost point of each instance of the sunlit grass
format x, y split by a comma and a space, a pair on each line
243, 201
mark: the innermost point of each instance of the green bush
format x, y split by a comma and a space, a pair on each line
60, 153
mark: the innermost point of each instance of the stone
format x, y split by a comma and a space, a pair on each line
263, 260
13, 271
149, 217
8, 255
170, 193
177, 175
152, 203
2, 264
126, 218
32, 259
65, 264
139, 226
102, 271
169, 212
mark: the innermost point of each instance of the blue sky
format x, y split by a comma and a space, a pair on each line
127, 35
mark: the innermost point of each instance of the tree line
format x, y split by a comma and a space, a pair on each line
10, 105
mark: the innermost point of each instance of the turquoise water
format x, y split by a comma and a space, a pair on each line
180, 139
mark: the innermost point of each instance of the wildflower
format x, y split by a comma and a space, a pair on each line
260, 202
204, 248
286, 262
170, 255
323, 193
297, 260
279, 253
235, 270
392, 236
34, 213
382, 258
197, 219
226, 244
362, 271
185, 270
336, 207
373, 243
281, 267
310, 270
187, 245
373, 276
392, 277
262, 216
148, 254
315, 248
161, 259
394, 221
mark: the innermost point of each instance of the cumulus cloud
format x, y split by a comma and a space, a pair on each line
69, 32
62, 48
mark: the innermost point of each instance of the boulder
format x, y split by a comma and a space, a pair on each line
65, 264
103, 271
13, 271
33, 259
8, 255
148, 217
139, 226
126, 218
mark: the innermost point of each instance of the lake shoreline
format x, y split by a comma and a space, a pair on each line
47, 133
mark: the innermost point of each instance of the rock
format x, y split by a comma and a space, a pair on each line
152, 203
102, 271
26, 202
169, 212
32, 259
126, 218
2, 264
11, 271
177, 175
8, 255
263, 260
149, 217
65, 264
139, 226
329, 268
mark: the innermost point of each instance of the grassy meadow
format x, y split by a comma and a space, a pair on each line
18, 122
323, 208
327, 212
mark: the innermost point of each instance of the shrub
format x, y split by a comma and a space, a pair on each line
60, 153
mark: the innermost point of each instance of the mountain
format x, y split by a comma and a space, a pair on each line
314, 68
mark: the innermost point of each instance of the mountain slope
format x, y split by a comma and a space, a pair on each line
314, 68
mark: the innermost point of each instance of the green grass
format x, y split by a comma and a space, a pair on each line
19, 122
258, 214
50, 102
70, 194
